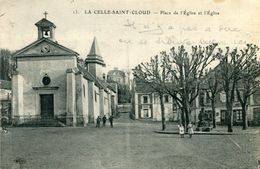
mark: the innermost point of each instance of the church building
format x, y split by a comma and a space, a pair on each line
49, 83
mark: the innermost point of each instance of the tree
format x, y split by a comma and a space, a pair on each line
186, 71
212, 89
248, 82
153, 74
124, 93
233, 64
228, 70
6, 64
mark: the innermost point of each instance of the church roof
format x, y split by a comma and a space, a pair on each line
89, 76
94, 55
100, 83
94, 50
112, 86
44, 23
85, 73
32, 50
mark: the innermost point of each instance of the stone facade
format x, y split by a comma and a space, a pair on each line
253, 113
147, 104
49, 83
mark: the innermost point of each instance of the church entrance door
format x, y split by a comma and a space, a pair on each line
47, 110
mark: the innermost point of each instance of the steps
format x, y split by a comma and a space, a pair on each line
42, 123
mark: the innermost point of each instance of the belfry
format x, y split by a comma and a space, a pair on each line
51, 88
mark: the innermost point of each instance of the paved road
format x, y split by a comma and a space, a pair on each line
129, 145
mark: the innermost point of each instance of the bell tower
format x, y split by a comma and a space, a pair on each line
46, 29
94, 61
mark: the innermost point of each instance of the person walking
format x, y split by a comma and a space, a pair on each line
111, 121
104, 120
190, 129
98, 121
4, 120
181, 130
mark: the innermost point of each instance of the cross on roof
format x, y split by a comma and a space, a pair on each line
45, 13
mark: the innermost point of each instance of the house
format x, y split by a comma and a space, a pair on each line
49, 83
146, 104
203, 103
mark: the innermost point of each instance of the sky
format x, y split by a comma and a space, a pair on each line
130, 32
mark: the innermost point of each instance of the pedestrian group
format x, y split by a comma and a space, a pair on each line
182, 130
104, 119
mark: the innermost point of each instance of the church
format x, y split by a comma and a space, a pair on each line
49, 83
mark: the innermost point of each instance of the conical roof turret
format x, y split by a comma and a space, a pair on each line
94, 55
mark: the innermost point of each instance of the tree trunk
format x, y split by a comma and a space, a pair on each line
244, 117
183, 116
185, 113
162, 113
213, 114
187, 116
230, 117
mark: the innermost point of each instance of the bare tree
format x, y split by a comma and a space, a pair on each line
248, 78
6, 64
153, 74
231, 62
212, 89
185, 71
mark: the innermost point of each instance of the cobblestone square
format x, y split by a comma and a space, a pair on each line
129, 145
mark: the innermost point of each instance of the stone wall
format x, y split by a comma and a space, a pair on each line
32, 70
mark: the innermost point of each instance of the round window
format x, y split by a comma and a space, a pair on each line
46, 80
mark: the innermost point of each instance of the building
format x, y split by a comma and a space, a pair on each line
118, 76
48, 83
146, 104
124, 88
203, 103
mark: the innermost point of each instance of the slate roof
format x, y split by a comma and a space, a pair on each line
44, 23
100, 83
143, 88
112, 86
94, 50
94, 55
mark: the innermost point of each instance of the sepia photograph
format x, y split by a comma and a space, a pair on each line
129, 84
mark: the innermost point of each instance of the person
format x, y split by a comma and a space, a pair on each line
181, 130
98, 121
190, 129
111, 121
104, 120
4, 124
